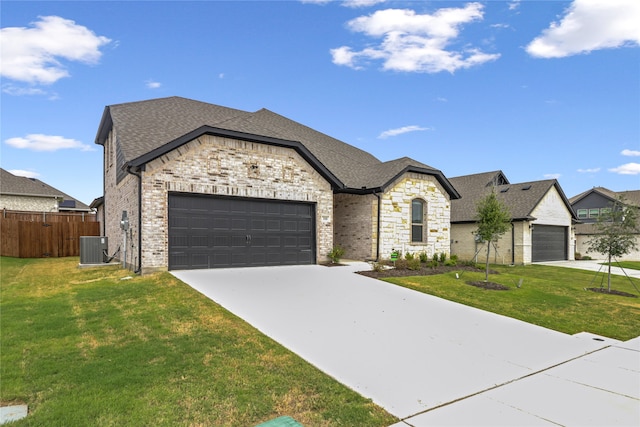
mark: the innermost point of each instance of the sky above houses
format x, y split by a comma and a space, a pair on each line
537, 89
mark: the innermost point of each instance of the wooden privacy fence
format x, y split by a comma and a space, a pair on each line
37, 239
49, 216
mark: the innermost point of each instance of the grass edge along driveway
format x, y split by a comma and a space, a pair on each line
552, 297
99, 347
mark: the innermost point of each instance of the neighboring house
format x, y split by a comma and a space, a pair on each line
205, 186
19, 193
541, 220
592, 204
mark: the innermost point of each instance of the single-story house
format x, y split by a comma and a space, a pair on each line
541, 220
19, 193
206, 186
589, 206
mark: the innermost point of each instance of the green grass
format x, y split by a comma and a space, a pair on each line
632, 265
93, 347
552, 297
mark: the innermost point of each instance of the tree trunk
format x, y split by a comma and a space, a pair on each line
486, 272
609, 275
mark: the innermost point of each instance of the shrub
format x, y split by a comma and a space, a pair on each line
378, 267
433, 263
401, 264
586, 258
423, 257
578, 256
409, 256
450, 263
443, 257
454, 258
414, 264
434, 258
336, 254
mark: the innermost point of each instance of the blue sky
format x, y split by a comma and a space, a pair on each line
538, 89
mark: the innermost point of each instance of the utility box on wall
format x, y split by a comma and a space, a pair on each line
93, 249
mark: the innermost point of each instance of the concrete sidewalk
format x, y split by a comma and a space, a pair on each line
595, 266
424, 359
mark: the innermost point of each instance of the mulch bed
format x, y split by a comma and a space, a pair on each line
611, 292
490, 286
424, 271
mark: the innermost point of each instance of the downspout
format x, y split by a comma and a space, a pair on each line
139, 175
379, 197
513, 244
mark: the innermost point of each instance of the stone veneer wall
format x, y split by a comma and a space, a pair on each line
395, 227
222, 166
356, 225
28, 203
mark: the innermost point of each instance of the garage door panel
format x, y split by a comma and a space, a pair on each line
549, 243
210, 232
273, 225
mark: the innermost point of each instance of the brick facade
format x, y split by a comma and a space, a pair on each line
216, 166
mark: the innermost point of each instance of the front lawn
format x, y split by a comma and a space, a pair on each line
552, 297
632, 265
99, 347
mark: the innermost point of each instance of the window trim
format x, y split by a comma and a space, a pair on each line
420, 224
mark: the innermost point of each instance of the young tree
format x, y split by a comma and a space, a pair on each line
494, 220
616, 232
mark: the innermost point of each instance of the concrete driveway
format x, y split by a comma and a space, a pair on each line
426, 360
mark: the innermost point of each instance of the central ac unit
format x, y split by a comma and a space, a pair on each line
93, 249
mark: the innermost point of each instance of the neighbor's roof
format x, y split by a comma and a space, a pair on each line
521, 198
148, 129
631, 197
22, 186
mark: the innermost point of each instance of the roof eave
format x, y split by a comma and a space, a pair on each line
106, 123
140, 161
442, 180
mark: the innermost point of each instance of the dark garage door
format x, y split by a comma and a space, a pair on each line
549, 243
218, 232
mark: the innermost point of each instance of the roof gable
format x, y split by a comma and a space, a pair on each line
23, 186
147, 129
521, 199
631, 197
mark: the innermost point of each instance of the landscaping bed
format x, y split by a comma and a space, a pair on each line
423, 271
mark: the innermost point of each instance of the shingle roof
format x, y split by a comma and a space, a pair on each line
521, 198
23, 186
631, 197
148, 128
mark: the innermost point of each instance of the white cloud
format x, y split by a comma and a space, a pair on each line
627, 169
40, 142
27, 174
33, 54
400, 131
151, 84
514, 4
14, 90
590, 25
361, 3
552, 175
414, 42
631, 153
589, 170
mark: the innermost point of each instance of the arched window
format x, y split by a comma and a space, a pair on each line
417, 220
